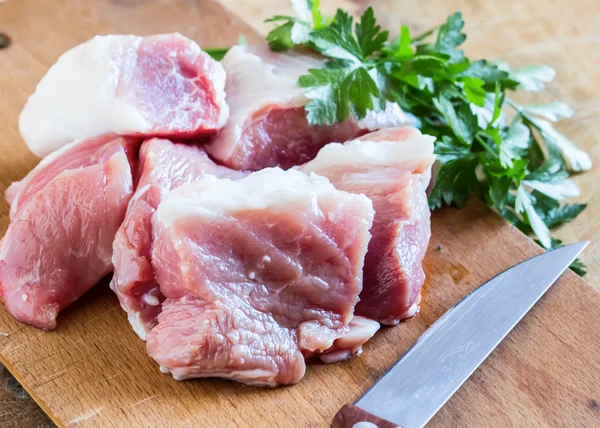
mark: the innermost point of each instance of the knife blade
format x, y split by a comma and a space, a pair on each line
420, 382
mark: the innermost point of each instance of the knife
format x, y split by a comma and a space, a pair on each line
420, 382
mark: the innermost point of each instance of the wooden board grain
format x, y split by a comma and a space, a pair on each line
93, 370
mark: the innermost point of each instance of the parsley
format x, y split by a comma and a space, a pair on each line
295, 30
486, 144
217, 53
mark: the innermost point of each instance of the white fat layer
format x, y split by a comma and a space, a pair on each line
151, 299
256, 377
80, 91
137, 324
218, 78
210, 197
391, 147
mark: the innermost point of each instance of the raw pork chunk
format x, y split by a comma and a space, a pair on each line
268, 126
392, 167
64, 216
161, 85
256, 272
163, 166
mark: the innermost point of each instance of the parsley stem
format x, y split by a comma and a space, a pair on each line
486, 147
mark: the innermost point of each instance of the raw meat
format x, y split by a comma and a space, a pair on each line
163, 166
73, 156
361, 329
256, 272
161, 85
268, 126
392, 167
64, 216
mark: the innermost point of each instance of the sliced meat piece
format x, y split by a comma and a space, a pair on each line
226, 339
392, 167
268, 125
361, 329
265, 269
75, 155
59, 242
161, 85
163, 166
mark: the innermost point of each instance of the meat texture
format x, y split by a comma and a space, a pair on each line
256, 273
161, 85
268, 126
163, 166
64, 216
392, 167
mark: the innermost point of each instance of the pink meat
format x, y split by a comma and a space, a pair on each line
392, 167
268, 125
226, 339
64, 219
256, 272
163, 166
74, 156
161, 85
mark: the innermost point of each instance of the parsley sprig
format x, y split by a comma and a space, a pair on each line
487, 144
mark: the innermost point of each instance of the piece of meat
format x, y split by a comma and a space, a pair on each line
268, 125
75, 155
256, 272
392, 167
162, 85
163, 166
361, 329
64, 217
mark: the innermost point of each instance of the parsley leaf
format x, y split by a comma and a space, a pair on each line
369, 35
455, 181
448, 150
525, 204
450, 37
533, 78
293, 31
474, 91
337, 41
578, 267
463, 122
217, 53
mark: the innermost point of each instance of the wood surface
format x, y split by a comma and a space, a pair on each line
93, 370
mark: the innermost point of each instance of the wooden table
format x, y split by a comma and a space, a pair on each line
561, 33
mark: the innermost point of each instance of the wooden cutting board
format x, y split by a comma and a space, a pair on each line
93, 370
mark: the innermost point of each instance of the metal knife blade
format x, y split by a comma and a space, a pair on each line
440, 361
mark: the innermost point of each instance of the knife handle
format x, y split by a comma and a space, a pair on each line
351, 416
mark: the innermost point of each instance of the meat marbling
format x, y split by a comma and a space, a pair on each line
268, 126
392, 167
256, 273
162, 85
64, 216
163, 166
